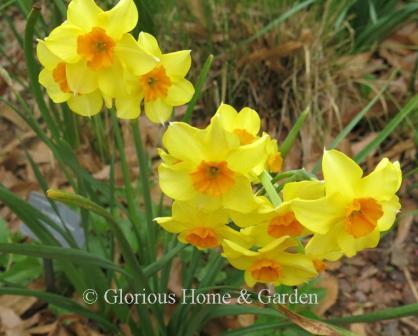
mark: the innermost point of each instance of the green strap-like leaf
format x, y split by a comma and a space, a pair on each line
75, 256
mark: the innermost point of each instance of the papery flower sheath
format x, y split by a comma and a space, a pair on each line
355, 208
161, 88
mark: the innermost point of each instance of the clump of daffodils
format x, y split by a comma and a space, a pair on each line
211, 174
92, 59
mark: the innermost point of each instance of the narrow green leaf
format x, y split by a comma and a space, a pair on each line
160, 263
75, 256
410, 106
198, 88
385, 314
287, 144
296, 8
33, 70
266, 181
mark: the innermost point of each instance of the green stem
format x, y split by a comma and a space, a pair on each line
132, 208
268, 186
33, 70
145, 178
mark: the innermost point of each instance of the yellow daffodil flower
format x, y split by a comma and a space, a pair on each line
355, 209
198, 227
209, 166
270, 264
161, 88
54, 78
96, 46
270, 223
246, 125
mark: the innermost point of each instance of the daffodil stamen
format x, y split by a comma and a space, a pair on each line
97, 48
202, 237
362, 216
213, 178
60, 77
265, 270
285, 225
155, 84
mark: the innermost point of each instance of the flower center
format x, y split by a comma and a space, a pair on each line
97, 48
245, 137
202, 237
285, 225
213, 178
60, 77
155, 83
361, 216
265, 270
274, 162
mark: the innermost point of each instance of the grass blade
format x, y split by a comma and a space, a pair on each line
410, 106
199, 86
287, 144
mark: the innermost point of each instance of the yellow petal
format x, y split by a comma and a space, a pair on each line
177, 63
390, 210
83, 14
218, 142
176, 184
308, 190
179, 134
46, 57
230, 234
158, 111
350, 245
240, 196
120, 19
228, 116
63, 42
86, 105
53, 89
149, 43
180, 92
383, 182
341, 174
249, 280
324, 246
237, 256
296, 275
137, 60
318, 215
245, 158
249, 120
80, 78
171, 225
111, 81
128, 107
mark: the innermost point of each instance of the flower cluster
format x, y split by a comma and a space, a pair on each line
211, 174
92, 58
